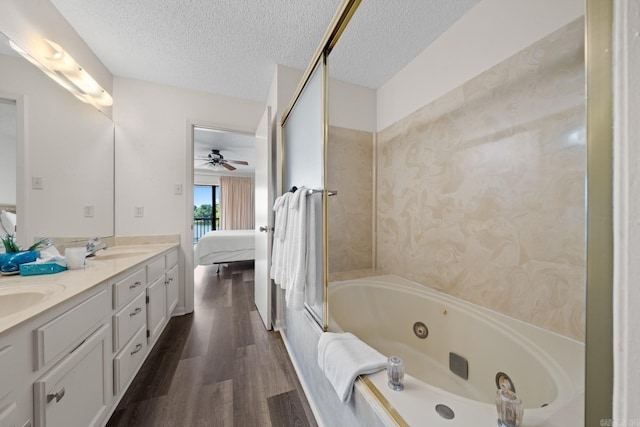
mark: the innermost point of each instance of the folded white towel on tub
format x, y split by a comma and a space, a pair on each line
342, 357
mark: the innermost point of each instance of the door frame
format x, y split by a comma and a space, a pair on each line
189, 265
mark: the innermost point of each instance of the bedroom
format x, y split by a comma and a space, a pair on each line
223, 191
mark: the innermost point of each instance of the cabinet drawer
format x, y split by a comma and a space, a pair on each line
171, 258
61, 333
128, 360
128, 320
74, 392
155, 269
124, 290
8, 373
172, 289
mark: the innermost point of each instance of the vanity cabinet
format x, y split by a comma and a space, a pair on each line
8, 373
75, 392
171, 283
65, 331
127, 362
70, 364
129, 320
9, 416
128, 287
156, 308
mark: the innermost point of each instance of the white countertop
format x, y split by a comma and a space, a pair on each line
103, 266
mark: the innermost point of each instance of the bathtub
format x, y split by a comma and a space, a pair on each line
545, 368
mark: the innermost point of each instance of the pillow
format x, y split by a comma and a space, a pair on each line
7, 223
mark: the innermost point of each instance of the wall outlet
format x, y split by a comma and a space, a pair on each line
138, 211
37, 183
178, 189
88, 211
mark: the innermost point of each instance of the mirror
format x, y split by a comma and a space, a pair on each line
8, 160
64, 156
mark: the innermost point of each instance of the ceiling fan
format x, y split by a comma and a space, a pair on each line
215, 160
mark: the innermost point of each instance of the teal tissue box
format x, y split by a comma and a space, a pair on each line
35, 268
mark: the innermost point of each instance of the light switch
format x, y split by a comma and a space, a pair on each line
178, 189
138, 211
88, 211
37, 183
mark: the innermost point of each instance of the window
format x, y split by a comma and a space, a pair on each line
206, 210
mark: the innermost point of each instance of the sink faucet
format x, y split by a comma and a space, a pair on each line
94, 245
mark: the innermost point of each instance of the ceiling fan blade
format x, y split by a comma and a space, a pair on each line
237, 162
228, 166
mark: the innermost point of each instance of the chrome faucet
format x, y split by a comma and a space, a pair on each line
94, 245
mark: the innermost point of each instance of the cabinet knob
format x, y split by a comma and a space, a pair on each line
57, 396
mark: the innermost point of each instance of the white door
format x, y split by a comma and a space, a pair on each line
264, 191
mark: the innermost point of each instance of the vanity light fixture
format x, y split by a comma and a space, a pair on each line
62, 68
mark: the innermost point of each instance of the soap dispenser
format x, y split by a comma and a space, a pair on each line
510, 409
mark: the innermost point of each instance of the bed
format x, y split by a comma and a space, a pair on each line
224, 246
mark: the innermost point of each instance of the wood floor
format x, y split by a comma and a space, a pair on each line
217, 366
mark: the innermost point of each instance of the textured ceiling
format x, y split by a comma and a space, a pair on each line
231, 47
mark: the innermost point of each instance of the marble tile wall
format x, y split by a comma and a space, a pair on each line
480, 194
350, 171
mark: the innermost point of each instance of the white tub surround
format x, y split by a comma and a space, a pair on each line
546, 368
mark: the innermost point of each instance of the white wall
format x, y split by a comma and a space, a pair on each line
489, 33
626, 212
153, 153
352, 106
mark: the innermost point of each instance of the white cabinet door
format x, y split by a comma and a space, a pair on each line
9, 416
75, 392
156, 307
171, 283
8, 373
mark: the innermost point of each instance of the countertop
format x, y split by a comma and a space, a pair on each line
63, 286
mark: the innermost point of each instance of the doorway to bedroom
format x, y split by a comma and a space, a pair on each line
223, 198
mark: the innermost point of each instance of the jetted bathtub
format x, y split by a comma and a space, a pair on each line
546, 369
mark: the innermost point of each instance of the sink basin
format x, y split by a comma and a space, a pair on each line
17, 297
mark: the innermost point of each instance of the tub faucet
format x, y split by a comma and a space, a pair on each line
94, 245
510, 409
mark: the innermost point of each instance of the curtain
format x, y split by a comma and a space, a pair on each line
236, 203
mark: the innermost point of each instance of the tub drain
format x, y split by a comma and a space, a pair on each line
421, 330
445, 412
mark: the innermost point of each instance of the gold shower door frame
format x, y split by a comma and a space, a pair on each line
599, 286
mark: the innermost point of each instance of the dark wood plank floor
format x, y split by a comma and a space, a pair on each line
217, 366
